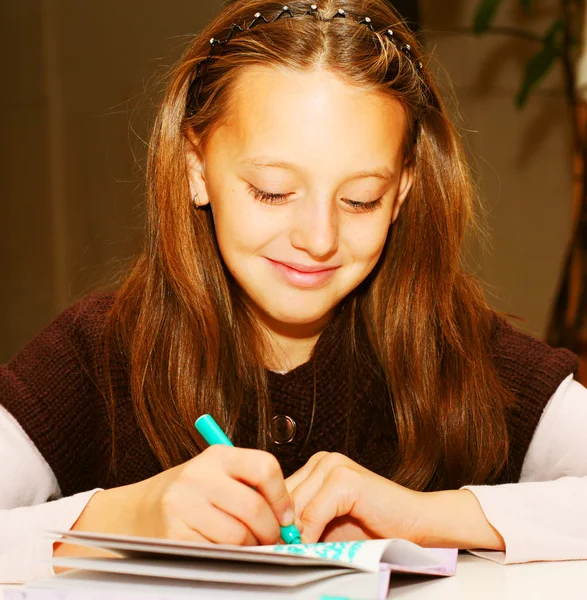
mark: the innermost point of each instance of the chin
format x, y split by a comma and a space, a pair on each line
299, 317
289, 312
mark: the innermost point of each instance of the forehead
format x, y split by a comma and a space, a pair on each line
311, 117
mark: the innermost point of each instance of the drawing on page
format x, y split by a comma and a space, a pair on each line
343, 551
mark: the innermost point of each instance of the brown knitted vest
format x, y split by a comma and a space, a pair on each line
55, 389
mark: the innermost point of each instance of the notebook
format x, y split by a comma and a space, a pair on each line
161, 569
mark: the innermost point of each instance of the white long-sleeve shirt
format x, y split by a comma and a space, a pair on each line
543, 517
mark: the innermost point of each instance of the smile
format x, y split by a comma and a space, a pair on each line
302, 279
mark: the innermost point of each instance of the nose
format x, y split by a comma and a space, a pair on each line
315, 227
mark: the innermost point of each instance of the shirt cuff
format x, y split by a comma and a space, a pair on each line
25, 549
539, 521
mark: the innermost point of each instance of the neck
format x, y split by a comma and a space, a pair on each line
289, 345
285, 353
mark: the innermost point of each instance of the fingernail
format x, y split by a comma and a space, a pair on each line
288, 517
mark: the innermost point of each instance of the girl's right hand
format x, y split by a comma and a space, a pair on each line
224, 495
211, 499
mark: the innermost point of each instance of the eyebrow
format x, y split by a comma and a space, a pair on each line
261, 162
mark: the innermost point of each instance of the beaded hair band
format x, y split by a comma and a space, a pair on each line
202, 66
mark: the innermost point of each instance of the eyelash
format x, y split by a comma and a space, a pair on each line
275, 199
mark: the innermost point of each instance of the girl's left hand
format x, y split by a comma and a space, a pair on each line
336, 499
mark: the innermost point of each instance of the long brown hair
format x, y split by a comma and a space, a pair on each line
192, 344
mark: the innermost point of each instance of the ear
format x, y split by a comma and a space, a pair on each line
405, 185
196, 171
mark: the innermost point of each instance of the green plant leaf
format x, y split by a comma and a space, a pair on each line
551, 35
485, 14
540, 64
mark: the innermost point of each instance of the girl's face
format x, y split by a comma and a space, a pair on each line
306, 174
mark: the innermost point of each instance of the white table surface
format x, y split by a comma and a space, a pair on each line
480, 579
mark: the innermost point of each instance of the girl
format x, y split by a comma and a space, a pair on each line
302, 282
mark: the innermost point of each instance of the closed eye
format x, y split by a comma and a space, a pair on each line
271, 198
266, 196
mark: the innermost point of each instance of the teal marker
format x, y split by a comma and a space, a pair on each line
212, 433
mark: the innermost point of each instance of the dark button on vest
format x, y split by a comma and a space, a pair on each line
283, 429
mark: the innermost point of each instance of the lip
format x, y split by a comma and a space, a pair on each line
302, 275
303, 268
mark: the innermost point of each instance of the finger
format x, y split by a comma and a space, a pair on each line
293, 481
343, 529
262, 471
249, 507
180, 530
336, 498
221, 528
187, 534
307, 489
195, 517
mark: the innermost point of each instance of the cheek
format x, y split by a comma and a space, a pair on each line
367, 242
242, 227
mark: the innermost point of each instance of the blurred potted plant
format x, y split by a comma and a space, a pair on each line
562, 46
